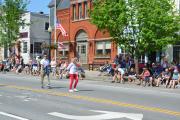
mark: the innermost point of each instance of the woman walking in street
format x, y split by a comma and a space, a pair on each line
73, 75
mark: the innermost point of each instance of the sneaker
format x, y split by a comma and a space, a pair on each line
71, 90
48, 85
75, 90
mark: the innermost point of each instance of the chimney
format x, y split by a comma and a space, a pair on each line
41, 12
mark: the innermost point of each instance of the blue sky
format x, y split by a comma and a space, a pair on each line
38, 5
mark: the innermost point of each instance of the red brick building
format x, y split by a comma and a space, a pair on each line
84, 40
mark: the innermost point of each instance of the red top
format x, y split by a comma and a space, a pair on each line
146, 73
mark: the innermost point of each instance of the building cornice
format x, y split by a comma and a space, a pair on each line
77, 1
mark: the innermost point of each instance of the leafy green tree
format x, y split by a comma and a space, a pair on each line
10, 20
141, 26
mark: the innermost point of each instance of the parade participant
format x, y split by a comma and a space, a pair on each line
45, 71
73, 74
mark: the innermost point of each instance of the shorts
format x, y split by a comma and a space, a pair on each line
174, 79
146, 79
53, 69
132, 76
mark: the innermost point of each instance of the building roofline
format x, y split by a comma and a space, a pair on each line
36, 13
51, 3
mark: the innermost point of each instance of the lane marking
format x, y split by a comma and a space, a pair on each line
106, 115
12, 116
98, 100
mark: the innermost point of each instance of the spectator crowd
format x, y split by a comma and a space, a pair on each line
122, 70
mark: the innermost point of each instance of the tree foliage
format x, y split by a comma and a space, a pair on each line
10, 20
141, 26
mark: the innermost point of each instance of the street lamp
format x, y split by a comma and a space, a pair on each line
49, 30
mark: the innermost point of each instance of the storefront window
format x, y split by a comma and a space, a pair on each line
63, 53
103, 49
108, 48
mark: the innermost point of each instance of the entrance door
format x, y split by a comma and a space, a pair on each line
176, 53
82, 52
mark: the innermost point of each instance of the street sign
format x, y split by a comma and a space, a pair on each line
105, 116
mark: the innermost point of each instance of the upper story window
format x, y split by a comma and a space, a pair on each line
46, 26
80, 11
24, 35
85, 10
74, 12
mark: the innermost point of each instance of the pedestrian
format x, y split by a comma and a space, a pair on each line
53, 67
62, 68
45, 71
38, 59
22, 62
73, 74
34, 67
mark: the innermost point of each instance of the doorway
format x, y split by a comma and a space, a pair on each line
82, 52
82, 47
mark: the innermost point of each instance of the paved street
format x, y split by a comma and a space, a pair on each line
21, 98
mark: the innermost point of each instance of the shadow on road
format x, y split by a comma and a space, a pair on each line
85, 90
55, 87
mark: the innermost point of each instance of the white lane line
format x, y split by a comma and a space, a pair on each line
12, 116
107, 115
0, 95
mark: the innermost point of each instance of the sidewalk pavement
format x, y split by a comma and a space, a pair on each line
94, 75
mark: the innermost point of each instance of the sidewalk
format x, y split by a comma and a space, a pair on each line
94, 75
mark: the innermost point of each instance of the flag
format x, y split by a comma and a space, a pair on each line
59, 26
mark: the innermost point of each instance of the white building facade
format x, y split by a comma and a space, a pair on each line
172, 52
33, 35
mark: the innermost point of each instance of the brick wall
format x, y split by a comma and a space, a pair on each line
74, 26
